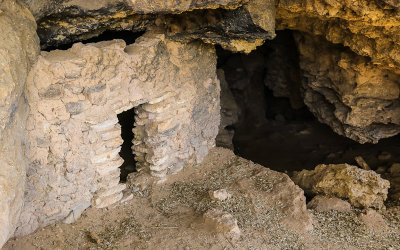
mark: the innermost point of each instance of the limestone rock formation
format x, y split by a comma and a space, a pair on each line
361, 187
19, 47
235, 24
353, 96
369, 28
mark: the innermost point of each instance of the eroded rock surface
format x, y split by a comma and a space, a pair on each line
369, 28
361, 187
239, 25
19, 47
353, 96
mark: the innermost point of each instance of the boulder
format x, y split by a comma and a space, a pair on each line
362, 188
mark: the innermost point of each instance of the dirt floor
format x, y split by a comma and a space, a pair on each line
168, 214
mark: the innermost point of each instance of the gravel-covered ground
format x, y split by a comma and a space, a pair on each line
168, 215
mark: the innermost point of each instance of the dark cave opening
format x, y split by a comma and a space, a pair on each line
127, 119
274, 127
128, 36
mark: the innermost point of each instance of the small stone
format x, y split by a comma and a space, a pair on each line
384, 156
324, 203
220, 194
222, 222
74, 108
373, 220
362, 163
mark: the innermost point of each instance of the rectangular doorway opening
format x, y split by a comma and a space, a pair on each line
127, 119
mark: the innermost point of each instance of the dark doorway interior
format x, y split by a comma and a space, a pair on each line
128, 36
126, 120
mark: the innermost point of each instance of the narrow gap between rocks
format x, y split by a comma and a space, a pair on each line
128, 36
127, 119
274, 128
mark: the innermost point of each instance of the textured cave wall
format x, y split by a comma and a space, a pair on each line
238, 25
353, 96
353, 90
19, 47
369, 28
73, 133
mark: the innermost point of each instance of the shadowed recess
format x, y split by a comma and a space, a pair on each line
126, 120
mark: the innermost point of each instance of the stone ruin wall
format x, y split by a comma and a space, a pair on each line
74, 137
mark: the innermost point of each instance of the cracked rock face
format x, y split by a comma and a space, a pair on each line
237, 25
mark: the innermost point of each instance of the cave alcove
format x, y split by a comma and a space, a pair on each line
274, 127
128, 36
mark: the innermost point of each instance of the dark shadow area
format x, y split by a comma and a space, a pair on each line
275, 128
128, 36
126, 120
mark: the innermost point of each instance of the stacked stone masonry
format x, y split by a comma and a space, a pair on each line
74, 138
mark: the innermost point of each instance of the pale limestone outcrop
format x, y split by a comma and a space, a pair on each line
369, 28
353, 96
73, 131
362, 188
19, 47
